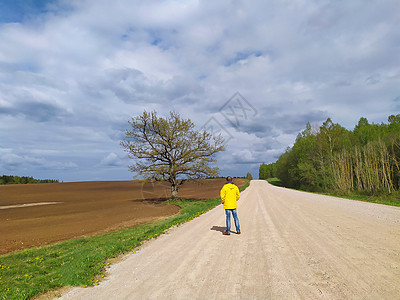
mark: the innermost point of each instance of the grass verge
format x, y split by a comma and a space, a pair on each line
275, 181
392, 199
31, 272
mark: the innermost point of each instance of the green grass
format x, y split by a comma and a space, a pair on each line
31, 272
392, 199
274, 181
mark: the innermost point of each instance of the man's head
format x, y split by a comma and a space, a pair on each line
229, 178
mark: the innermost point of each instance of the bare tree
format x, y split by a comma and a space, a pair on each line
170, 148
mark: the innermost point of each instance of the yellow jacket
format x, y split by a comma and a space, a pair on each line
229, 195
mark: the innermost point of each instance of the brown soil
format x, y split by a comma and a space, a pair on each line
86, 208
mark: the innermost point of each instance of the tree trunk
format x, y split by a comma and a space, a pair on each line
174, 186
174, 191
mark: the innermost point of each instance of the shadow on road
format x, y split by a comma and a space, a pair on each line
218, 228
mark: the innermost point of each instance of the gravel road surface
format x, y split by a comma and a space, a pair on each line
294, 245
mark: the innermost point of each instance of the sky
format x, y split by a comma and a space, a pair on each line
74, 72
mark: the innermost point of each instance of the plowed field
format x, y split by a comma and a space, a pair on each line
40, 214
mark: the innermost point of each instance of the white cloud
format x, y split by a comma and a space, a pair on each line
111, 159
10, 160
71, 78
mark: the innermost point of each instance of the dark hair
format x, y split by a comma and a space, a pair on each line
229, 178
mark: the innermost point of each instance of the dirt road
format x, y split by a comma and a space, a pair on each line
293, 245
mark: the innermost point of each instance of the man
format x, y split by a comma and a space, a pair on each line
229, 196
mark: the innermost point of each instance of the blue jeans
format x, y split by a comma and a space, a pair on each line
228, 219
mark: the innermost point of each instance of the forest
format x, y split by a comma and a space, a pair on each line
9, 179
331, 158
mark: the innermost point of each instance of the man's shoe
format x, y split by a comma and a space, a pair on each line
238, 232
227, 233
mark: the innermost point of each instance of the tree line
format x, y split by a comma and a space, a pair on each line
9, 179
267, 171
332, 158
